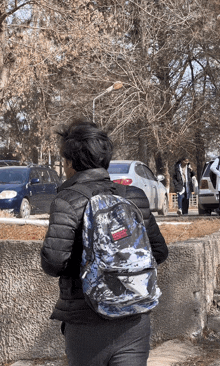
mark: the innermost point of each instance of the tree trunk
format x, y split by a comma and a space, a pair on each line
142, 146
142, 149
200, 153
163, 168
4, 70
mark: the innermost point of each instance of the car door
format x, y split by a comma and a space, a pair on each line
36, 190
144, 183
154, 187
55, 182
49, 189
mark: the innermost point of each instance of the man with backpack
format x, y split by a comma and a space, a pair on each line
104, 255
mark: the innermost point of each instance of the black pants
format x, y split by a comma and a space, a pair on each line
183, 203
123, 342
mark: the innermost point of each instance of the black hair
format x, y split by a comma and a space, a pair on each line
184, 157
85, 145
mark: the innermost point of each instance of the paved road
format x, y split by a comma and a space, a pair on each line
192, 216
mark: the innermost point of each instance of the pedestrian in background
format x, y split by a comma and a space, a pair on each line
90, 339
183, 183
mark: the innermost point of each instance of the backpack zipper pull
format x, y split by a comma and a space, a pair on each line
86, 270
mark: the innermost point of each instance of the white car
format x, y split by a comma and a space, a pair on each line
208, 199
136, 173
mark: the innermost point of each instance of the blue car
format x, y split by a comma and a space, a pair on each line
27, 189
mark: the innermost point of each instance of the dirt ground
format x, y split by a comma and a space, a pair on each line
209, 354
171, 233
197, 229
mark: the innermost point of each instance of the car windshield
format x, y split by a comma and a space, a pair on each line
13, 176
207, 169
118, 168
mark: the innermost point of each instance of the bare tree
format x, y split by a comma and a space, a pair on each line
41, 52
165, 52
156, 50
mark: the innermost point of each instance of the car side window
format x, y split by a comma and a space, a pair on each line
140, 171
206, 171
44, 175
54, 176
34, 174
148, 173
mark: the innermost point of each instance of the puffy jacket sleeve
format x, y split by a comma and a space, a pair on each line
58, 244
177, 181
214, 167
158, 244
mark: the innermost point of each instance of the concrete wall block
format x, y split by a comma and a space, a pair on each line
187, 280
27, 298
180, 279
214, 323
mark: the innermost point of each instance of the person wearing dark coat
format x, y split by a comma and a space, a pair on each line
90, 339
182, 180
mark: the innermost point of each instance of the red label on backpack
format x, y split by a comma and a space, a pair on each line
120, 234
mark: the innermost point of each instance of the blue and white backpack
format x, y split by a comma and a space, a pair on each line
118, 270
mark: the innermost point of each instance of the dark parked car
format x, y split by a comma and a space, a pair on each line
26, 189
9, 162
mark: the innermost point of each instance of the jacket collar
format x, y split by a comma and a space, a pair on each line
89, 175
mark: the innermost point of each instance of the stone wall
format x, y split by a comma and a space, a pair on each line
187, 280
26, 300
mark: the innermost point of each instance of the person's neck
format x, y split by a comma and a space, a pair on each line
70, 173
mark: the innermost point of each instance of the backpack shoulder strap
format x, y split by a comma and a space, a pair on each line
81, 188
118, 189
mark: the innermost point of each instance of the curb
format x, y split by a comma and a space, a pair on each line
24, 221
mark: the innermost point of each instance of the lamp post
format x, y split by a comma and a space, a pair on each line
115, 86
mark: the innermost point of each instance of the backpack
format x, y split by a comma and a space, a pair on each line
118, 270
213, 175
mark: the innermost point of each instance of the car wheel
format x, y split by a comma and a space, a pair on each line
25, 209
204, 212
165, 207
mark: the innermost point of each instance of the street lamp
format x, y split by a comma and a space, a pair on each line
117, 85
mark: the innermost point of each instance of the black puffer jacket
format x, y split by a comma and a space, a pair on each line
178, 180
62, 247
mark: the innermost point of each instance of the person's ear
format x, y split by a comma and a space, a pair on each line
69, 163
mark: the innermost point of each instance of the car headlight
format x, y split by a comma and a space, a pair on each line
7, 194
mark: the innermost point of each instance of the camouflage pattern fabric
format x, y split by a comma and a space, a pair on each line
118, 270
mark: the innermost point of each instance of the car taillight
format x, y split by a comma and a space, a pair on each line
125, 182
204, 184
